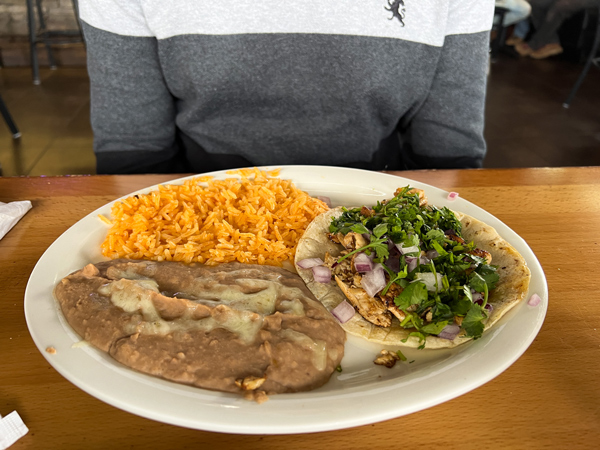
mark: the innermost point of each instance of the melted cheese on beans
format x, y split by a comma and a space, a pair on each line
239, 312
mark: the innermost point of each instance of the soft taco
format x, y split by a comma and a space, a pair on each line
415, 275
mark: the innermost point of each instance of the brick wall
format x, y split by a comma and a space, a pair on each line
58, 14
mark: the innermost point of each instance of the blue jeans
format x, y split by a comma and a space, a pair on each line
517, 10
521, 29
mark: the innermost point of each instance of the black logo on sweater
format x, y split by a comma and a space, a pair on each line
396, 7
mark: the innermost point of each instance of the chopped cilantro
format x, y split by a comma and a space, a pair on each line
401, 355
489, 274
438, 248
380, 230
359, 228
461, 305
413, 294
435, 235
472, 323
434, 328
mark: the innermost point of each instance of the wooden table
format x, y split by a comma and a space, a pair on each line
549, 398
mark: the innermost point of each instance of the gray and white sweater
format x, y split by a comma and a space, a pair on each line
200, 85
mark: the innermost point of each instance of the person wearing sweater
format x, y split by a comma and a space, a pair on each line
187, 86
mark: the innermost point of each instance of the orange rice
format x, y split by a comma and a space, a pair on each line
256, 218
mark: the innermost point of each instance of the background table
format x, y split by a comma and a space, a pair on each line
549, 398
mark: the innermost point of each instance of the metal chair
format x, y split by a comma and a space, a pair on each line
39, 33
500, 29
593, 58
9, 120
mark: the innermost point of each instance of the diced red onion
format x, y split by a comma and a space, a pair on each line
394, 252
309, 263
405, 250
429, 280
373, 281
324, 199
393, 263
449, 332
343, 312
478, 298
412, 262
363, 262
534, 300
452, 196
321, 274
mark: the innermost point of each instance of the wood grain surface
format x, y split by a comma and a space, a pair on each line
549, 398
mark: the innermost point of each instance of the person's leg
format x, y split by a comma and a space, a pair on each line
519, 33
560, 11
521, 21
522, 29
539, 10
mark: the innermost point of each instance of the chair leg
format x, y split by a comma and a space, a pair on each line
51, 61
591, 60
76, 11
500, 35
9, 120
78, 20
35, 67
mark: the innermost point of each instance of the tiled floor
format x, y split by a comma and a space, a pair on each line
54, 121
526, 123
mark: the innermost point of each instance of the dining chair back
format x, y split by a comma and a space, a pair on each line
39, 33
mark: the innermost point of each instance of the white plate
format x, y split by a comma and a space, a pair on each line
362, 393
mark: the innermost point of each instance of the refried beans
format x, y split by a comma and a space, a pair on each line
235, 327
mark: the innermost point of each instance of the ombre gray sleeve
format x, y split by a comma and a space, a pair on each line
132, 111
447, 129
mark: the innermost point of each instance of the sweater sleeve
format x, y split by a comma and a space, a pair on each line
132, 111
446, 131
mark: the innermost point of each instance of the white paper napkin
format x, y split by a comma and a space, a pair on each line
11, 213
12, 429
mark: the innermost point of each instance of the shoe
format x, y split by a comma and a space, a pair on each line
546, 51
514, 40
523, 49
